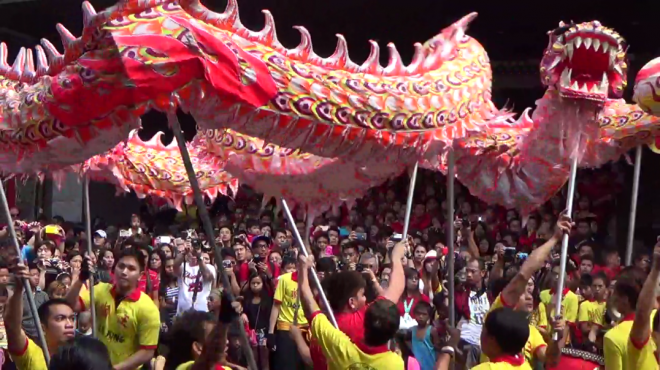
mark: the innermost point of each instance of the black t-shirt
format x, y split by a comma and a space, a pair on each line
258, 314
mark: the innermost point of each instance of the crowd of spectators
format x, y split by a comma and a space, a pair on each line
159, 292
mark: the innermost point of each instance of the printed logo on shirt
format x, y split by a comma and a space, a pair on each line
360, 366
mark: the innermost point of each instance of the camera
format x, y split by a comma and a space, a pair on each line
396, 238
226, 264
522, 256
196, 244
257, 259
341, 266
359, 267
361, 236
509, 254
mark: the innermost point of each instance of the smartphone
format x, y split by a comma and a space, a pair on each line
257, 259
522, 256
361, 236
226, 264
163, 240
124, 233
341, 266
396, 237
343, 231
359, 267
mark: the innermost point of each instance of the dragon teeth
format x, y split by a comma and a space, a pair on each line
568, 49
605, 46
604, 83
577, 42
587, 43
612, 57
596, 44
566, 77
575, 86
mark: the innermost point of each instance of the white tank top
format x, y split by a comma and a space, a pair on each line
479, 307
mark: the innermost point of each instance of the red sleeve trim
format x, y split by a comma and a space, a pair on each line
277, 301
82, 304
21, 352
149, 347
538, 348
639, 345
504, 303
316, 313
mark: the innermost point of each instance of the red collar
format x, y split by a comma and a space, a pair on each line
563, 292
516, 360
372, 350
628, 317
134, 295
294, 276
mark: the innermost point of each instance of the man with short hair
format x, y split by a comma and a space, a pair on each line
380, 324
369, 262
350, 254
195, 278
57, 321
127, 320
586, 264
40, 297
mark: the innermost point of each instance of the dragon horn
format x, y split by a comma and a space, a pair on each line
466, 20
304, 49
268, 33
340, 57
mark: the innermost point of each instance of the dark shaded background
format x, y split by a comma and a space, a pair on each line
513, 32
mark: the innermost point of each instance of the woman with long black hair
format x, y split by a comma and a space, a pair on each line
257, 305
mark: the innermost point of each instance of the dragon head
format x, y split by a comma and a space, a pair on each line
585, 61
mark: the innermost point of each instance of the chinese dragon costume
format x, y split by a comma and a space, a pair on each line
292, 123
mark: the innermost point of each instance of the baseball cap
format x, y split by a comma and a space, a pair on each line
432, 254
101, 233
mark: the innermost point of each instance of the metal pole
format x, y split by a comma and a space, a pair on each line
633, 205
208, 229
308, 231
409, 203
315, 277
26, 281
450, 234
90, 251
564, 241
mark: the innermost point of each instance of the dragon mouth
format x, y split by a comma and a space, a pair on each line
588, 59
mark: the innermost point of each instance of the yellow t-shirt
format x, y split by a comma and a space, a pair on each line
188, 365
534, 343
642, 355
286, 294
504, 364
615, 343
569, 304
592, 312
31, 358
343, 354
132, 325
539, 318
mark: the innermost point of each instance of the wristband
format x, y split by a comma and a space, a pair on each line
448, 350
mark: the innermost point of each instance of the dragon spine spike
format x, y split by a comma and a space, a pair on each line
42, 61
417, 59
340, 58
16, 70
395, 65
4, 53
268, 34
28, 68
372, 65
304, 49
88, 13
230, 16
55, 59
66, 35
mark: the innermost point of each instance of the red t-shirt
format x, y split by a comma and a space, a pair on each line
610, 272
155, 282
414, 302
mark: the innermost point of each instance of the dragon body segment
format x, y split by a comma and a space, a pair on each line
160, 54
